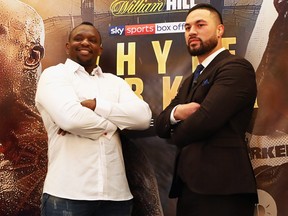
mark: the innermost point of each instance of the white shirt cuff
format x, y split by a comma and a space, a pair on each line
103, 108
110, 130
172, 119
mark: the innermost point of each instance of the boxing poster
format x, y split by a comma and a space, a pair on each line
268, 136
144, 44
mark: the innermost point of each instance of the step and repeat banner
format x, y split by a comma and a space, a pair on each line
144, 44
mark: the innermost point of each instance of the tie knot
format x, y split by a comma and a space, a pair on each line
197, 71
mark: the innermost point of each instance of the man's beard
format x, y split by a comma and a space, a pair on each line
205, 47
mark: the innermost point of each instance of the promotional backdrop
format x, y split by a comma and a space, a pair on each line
144, 44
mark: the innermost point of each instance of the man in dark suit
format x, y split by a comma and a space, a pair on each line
207, 120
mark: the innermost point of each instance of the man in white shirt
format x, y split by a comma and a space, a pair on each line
83, 110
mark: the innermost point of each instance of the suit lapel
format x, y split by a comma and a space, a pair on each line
205, 74
188, 90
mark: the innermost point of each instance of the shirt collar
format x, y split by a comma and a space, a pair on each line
207, 61
97, 71
73, 67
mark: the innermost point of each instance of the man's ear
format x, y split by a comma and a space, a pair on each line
220, 30
99, 54
67, 48
101, 50
36, 53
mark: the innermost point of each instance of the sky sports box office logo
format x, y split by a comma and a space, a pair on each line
146, 29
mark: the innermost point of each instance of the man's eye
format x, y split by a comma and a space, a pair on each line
93, 40
78, 39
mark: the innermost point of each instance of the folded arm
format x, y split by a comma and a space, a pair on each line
55, 96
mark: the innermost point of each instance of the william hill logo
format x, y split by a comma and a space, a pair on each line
132, 7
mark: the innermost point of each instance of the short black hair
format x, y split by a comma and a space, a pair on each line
85, 23
207, 7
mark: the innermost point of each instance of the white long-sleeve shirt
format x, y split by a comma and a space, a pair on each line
87, 162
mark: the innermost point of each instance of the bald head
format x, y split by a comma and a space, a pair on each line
22, 33
21, 47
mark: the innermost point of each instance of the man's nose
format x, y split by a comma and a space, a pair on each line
192, 30
85, 41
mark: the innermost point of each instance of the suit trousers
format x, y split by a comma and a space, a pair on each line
193, 204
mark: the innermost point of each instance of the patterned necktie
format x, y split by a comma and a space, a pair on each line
196, 73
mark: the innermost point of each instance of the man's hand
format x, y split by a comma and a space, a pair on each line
89, 103
183, 111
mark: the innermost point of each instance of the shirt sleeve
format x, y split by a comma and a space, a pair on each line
128, 112
55, 97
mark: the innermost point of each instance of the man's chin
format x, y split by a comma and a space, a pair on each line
195, 52
84, 61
